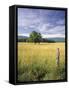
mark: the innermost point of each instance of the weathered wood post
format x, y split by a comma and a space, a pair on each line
58, 57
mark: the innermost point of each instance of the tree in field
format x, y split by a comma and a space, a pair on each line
35, 37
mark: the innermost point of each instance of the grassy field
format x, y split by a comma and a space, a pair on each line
38, 61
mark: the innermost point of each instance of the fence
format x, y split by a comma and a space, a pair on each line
58, 57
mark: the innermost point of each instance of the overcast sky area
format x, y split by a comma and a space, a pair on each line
50, 23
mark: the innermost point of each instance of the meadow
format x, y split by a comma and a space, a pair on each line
37, 62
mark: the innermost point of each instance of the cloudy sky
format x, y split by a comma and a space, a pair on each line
50, 23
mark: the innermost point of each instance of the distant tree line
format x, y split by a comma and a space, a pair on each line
35, 37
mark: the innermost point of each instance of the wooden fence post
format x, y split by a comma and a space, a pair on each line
58, 57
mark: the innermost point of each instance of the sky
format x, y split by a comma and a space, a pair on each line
50, 23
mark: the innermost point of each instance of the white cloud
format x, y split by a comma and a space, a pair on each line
24, 34
57, 29
43, 27
53, 36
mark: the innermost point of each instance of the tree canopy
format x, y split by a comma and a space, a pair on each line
35, 37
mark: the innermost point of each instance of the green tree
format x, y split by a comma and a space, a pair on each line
35, 37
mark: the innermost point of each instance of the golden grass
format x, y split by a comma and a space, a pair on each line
43, 53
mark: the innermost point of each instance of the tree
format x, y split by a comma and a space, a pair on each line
35, 37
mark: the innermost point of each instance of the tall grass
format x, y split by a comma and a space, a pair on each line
37, 62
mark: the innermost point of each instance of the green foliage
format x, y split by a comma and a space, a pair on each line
35, 37
60, 71
35, 71
22, 40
